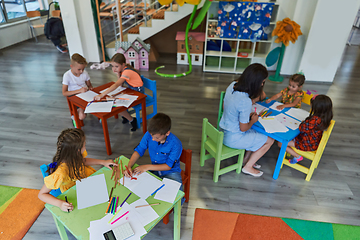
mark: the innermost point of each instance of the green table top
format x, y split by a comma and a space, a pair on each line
78, 221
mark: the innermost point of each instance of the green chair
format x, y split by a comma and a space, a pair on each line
212, 142
221, 108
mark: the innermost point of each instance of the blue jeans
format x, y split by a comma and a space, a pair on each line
176, 176
139, 89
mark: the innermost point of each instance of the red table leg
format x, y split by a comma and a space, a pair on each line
143, 111
106, 136
76, 117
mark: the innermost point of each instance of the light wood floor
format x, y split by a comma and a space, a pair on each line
33, 112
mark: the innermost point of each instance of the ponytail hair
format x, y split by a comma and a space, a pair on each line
120, 59
321, 106
69, 144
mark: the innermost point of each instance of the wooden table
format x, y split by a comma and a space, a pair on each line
75, 101
283, 137
77, 222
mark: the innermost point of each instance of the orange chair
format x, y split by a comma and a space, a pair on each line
185, 175
34, 14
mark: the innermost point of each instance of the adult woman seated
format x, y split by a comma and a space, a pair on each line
237, 118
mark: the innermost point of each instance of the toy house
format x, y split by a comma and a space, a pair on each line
136, 53
196, 47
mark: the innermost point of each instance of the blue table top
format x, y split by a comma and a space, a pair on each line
279, 136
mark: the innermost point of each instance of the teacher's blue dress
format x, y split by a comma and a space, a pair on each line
237, 108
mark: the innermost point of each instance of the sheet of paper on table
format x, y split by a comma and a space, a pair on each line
145, 214
275, 104
169, 191
91, 191
258, 107
272, 125
116, 91
99, 227
298, 113
288, 121
124, 102
144, 186
99, 107
87, 96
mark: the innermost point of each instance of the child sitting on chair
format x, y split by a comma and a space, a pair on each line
291, 95
69, 165
164, 150
76, 80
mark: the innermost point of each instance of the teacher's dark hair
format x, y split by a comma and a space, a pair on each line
251, 80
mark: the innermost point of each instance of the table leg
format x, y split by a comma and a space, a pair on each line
177, 220
280, 159
61, 229
143, 112
106, 136
76, 116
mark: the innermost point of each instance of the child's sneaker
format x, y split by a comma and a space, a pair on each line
61, 49
296, 160
133, 124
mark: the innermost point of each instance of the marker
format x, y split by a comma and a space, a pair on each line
120, 217
66, 201
255, 109
122, 98
158, 189
125, 200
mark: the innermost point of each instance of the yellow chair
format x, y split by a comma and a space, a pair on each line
314, 156
307, 98
212, 142
34, 14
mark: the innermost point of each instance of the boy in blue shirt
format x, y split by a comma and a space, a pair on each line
164, 150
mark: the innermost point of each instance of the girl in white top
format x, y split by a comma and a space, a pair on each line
76, 80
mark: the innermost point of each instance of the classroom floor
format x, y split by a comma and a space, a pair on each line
33, 112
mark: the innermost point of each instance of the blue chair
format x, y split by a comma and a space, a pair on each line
43, 169
150, 100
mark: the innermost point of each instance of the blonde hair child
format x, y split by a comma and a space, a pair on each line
69, 165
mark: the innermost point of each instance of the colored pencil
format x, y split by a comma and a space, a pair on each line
122, 171
115, 214
153, 204
158, 189
114, 206
120, 217
127, 169
125, 200
108, 207
111, 193
112, 202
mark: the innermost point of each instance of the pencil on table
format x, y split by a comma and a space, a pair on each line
153, 204
111, 193
122, 172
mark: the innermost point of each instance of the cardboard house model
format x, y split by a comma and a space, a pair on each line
136, 53
196, 47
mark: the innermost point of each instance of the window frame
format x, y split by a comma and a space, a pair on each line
17, 19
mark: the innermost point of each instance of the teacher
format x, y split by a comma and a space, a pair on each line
237, 118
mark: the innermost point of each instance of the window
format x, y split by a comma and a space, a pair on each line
137, 44
190, 46
182, 57
196, 57
143, 62
182, 46
131, 54
13, 10
197, 47
143, 53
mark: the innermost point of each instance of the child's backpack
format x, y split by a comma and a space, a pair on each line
54, 28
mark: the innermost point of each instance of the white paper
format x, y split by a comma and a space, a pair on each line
272, 125
169, 191
99, 227
147, 213
87, 96
298, 113
99, 107
124, 102
288, 121
144, 186
275, 104
91, 191
116, 91
258, 107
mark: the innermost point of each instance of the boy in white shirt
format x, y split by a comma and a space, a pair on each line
76, 80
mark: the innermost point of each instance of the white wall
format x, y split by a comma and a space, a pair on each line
327, 38
79, 29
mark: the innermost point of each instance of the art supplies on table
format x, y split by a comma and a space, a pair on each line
272, 125
259, 108
144, 186
288, 121
169, 191
98, 107
91, 191
275, 104
145, 213
298, 113
124, 100
87, 96
116, 91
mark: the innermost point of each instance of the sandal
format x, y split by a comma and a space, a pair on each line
256, 166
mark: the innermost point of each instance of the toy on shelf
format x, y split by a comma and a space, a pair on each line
136, 53
196, 47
